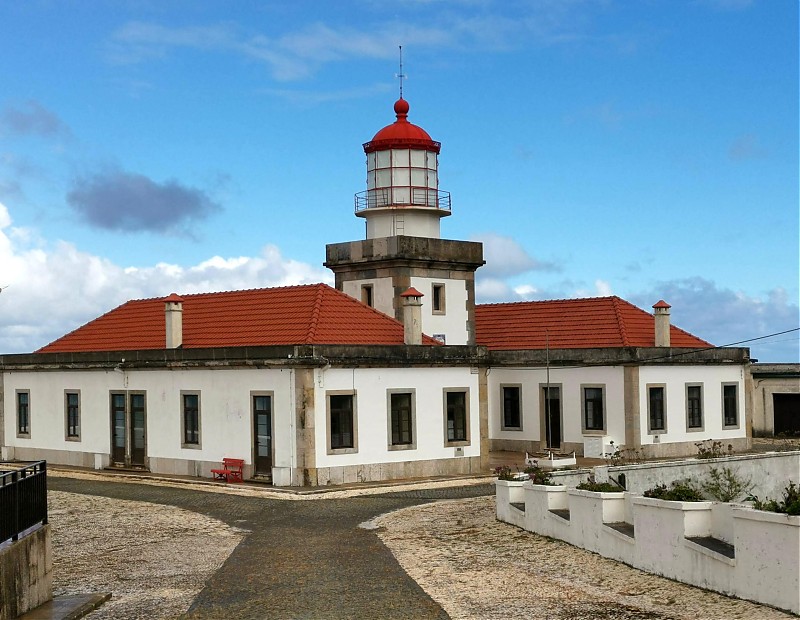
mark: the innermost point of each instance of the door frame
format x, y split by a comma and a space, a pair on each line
253, 436
128, 459
544, 415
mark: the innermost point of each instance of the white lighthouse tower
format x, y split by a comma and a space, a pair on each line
402, 195
403, 208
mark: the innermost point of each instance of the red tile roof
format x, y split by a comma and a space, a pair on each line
595, 322
293, 315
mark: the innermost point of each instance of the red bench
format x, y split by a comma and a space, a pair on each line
231, 470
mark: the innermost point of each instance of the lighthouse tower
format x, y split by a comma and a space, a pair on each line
403, 208
402, 195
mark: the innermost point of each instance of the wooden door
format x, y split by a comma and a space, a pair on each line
138, 430
119, 429
552, 419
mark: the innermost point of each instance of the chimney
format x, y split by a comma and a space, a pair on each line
412, 316
173, 316
661, 316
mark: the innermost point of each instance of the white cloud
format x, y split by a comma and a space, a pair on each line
55, 288
505, 257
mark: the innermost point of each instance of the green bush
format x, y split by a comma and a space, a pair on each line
504, 473
790, 504
680, 491
600, 487
724, 485
537, 475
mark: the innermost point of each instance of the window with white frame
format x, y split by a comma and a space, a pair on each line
456, 417
72, 414
656, 409
694, 407
730, 404
512, 407
401, 419
593, 405
23, 413
190, 419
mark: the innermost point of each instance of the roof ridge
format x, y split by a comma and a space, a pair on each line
545, 301
312, 325
620, 319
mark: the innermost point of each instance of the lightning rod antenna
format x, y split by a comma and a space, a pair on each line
401, 75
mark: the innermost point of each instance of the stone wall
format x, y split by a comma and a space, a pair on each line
26, 573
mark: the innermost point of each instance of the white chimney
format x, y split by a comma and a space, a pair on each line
661, 316
412, 316
173, 315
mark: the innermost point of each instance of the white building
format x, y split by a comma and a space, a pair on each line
397, 374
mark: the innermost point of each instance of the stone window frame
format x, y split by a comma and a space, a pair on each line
67, 427
650, 429
467, 430
734, 384
401, 446
585, 430
368, 295
354, 421
441, 297
701, 427
189, 445
27, 433
503, 426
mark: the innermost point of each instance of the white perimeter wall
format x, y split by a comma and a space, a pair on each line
225, 410
453, 323
371, 387
571, 380
676, 378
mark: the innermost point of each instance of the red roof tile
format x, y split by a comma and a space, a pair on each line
310, 314
595, 322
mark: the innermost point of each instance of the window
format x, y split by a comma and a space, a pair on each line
401, 419
656, 408
438, 305
190, 419
342, 422
730, 404
512, 407
694, 407
366, 295
72, 411
23, 414
456, 416
593, 408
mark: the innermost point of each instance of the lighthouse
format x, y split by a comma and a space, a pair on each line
402, 195
403, 249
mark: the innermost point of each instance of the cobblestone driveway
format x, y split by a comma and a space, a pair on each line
302, 559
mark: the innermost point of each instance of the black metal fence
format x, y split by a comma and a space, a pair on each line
23, 500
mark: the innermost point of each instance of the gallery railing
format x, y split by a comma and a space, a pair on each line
23, 500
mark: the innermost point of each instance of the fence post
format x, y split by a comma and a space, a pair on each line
15, 504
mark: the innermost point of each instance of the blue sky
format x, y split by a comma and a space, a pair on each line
647, 149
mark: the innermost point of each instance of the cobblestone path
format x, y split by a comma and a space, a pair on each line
302, 559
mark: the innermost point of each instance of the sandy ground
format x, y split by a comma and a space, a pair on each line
157, 558
476, 567
154, 559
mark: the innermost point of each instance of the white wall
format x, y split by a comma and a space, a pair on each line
453, 323
371, 385
225, 410
571, 380
382, 293
676, 378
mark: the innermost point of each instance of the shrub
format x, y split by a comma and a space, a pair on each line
724, 485
537, 475
712, 449
790, 504
601, 487
504, 473
680, 491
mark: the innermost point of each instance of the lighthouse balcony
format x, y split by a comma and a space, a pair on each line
403, 197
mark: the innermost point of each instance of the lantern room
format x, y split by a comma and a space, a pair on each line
402, 196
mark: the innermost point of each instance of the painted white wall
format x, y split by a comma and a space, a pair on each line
404, 221
225, 410
453, 324
571, 380
382, 293
371, 385
676, 378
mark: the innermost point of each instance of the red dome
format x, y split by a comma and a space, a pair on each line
401, 134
